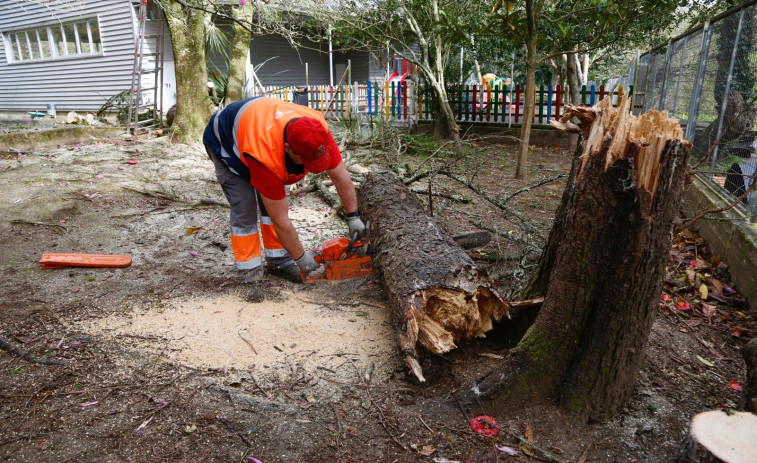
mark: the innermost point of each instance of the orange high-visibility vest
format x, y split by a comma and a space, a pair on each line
260, 132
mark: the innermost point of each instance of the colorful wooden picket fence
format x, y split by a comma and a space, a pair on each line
398, 101
504, 104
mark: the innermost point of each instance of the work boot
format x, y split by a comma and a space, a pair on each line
252, 284
254, 292
289, 272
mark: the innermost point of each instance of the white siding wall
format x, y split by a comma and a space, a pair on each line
80, 84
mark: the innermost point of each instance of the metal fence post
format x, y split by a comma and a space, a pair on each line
680, 73
664, 89
653, 71
691, 123
633, 82
726, 91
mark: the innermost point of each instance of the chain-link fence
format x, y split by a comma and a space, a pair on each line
708, 80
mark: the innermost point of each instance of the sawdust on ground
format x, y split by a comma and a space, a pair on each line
281, 337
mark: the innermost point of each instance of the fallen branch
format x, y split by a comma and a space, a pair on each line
508, 236
528, 224
325, 193
6, 346
416, 177
42, 224
456, 198
535, 185
730, 206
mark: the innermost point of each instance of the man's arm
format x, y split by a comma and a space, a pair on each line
344, 187
278, 211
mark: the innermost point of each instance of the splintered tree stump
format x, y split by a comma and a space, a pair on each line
602, 270
441, 298
717, 437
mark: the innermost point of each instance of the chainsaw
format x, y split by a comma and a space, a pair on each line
344, 258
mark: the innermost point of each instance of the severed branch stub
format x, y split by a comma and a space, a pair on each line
440, 297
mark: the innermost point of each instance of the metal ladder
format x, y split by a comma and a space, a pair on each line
137, 118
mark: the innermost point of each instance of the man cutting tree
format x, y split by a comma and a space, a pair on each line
258, 146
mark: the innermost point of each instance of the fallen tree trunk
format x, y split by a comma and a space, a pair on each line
441, 297
603, 268
718, 437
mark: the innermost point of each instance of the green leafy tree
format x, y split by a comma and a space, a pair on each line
550, 29
426, 33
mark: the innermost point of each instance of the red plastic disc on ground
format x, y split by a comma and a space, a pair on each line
485, 425
132, 162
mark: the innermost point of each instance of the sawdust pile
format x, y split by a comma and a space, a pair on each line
296, 332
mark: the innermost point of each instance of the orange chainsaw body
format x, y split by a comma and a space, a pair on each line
340, 264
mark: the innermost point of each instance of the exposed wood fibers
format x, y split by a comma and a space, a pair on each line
641, 138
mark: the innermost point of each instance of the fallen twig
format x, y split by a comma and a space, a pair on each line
542, 454
43, 224
255, 382
499, 204
386, 426
733, 204
5, 345
535, 185
247, 342
424, 424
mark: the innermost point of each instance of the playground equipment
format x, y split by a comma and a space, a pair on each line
489, 81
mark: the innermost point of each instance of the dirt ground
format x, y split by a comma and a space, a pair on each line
164, 361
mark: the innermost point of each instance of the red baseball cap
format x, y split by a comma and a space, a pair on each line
312, 142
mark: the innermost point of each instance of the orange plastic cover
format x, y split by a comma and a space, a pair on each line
58, 260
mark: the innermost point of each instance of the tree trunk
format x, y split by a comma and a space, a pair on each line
528, 108
193, 106
718, 437
606, 262
476, 66
240, 51
445, 126
584, 68
441, 298
539, 281
574, 85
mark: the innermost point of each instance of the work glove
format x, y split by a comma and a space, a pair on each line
356, 225
307, 263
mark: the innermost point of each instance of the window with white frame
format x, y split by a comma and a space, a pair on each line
61, 40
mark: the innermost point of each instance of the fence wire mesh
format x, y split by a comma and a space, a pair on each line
708, 80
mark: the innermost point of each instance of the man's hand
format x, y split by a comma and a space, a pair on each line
356, 225
307, 263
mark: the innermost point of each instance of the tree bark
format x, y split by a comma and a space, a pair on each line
606, 260
240, 51
476, 65
574, 86
444, 122
528, 108
441, 298
718, 437
193, 106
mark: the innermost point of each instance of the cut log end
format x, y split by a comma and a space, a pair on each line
718, 437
